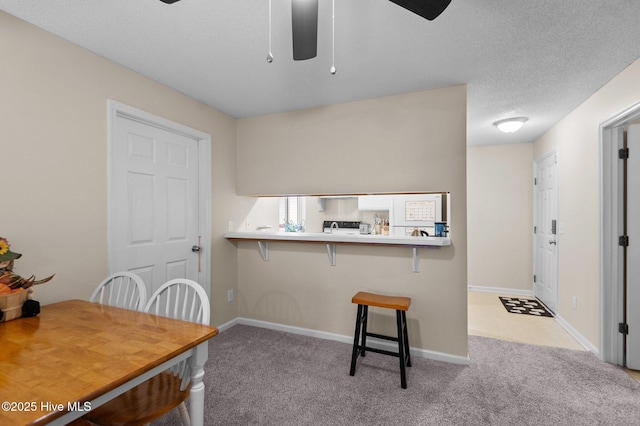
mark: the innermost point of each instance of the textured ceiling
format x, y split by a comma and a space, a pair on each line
533, 58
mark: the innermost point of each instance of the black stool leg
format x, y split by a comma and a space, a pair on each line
401, 349
407, 351
356, 338
365, 317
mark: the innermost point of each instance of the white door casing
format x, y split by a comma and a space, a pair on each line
159, 198
546, 227
611, 228
633, 250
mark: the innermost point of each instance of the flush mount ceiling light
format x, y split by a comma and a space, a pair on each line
510, 125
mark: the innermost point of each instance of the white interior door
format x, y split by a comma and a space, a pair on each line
545, 264
633, 250
156, 202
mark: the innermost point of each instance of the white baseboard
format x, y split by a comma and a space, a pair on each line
576, 335
501, 290
228, 325
376, 343
422, 353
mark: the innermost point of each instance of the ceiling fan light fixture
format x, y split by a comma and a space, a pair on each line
510, 125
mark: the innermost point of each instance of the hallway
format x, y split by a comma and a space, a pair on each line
488, 318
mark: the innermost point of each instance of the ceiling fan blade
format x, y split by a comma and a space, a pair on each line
304, 24
429, 9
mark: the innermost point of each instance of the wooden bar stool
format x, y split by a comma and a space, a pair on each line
400, 305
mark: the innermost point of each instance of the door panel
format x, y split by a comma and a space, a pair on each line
156, 197
177, 213
633, 250
545, 217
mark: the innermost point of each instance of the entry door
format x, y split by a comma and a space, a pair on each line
156, 203
545, 230
633, 250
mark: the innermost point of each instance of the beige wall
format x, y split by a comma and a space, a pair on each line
54, 160
499, 216
412, 142
576, 139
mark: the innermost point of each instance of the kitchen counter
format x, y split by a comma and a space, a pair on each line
331, 240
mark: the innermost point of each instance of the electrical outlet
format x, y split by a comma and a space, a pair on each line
574, 302
230, 226
230, 296
248, 224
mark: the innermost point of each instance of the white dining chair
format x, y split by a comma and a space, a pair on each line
179, 299
122, 290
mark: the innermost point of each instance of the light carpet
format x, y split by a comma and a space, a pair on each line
256, 376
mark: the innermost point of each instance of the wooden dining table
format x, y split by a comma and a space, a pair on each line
76, 355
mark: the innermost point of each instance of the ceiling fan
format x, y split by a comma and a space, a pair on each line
304, 20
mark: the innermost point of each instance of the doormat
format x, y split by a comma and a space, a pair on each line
519, 305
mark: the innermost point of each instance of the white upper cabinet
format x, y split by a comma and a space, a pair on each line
375, 202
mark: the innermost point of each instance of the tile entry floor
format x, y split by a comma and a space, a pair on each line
487, 317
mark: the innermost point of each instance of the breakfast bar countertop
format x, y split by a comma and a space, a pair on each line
355, 238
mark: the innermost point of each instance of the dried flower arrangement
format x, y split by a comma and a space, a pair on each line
14, 289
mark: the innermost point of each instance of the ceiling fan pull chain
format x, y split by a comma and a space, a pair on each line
333, 37
269, 56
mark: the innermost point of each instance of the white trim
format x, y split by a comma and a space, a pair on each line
116, 109
417, 352
610, 269
500, 290
227, 325
576, 335
422, 353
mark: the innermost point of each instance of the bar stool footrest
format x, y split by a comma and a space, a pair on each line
380, 336
380, 351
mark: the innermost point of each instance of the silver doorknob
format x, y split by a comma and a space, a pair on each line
553, 242
195, 249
